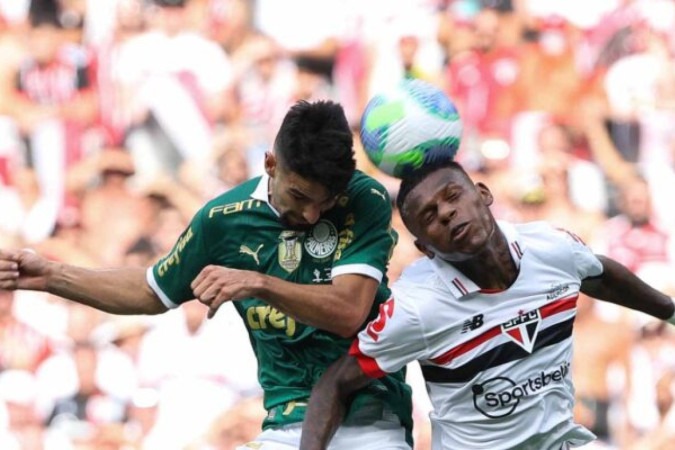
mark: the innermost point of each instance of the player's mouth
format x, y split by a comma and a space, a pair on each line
460, 231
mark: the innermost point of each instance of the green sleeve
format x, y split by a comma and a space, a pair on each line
366, 238
171, 276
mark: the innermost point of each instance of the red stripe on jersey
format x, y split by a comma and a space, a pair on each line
517, 249
368, 364
546, 311
558, 306
491, 291
572, 235
460, 286
467, 346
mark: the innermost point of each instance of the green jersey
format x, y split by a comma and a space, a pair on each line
240, 229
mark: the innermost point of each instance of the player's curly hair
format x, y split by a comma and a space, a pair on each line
315, 142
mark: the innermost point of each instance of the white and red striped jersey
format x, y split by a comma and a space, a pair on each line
496, 364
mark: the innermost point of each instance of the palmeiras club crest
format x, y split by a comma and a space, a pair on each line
322, 240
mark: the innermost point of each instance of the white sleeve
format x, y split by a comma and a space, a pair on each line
393, 339
585, 261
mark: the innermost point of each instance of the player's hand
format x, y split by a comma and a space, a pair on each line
23, 269
216, 285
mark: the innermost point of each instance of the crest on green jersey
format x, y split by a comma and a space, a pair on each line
290, 250
322, 240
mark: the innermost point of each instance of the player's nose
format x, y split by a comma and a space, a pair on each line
311, 213
446, 212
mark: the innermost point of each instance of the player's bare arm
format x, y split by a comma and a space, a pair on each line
619, 285
340, 307
329, 401
116, 291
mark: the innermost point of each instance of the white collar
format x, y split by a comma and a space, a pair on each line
262, 192
460, 284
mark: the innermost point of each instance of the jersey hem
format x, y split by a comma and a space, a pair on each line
150, 278
367, 364
361, 269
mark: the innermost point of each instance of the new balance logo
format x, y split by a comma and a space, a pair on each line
472, 324
247, 251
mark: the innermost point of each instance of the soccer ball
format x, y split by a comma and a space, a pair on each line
410, 126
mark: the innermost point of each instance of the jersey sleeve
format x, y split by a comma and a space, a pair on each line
586, 263
366, 239
392, 340
171, 276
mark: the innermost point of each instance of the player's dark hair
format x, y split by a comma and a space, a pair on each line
409, 182
315, 142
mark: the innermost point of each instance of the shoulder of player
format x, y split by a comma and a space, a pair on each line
417, 272
235, 200
539, 231
550, 244
363, 186
419, 283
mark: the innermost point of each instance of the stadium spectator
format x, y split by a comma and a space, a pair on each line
53, 104
178, 81
21, 346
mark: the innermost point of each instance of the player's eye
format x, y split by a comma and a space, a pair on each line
428, 217
298, 196
452, 194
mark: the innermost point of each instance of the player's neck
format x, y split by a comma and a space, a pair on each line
493, 267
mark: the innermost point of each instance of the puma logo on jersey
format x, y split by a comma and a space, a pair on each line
376, 192
247, 251
290, 406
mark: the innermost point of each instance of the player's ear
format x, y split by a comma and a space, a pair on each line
424, 249
485, 193
270, 164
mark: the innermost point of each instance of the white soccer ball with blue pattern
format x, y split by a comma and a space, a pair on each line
408, 127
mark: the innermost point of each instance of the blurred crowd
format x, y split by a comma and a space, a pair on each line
118, 118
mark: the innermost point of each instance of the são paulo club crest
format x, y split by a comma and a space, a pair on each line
523, 329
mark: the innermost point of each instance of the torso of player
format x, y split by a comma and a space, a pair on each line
254, 239
241, 230
497, 364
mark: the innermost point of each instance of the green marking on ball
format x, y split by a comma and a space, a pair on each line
412, 156
384, 115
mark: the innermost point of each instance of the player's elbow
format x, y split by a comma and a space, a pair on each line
349, 311
346, 331
351, 323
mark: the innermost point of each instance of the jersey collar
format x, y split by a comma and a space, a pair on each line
261, 192
460, 285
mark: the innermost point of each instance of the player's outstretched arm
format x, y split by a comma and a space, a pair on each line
329, 400
340, 307
116, 291
619, 285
